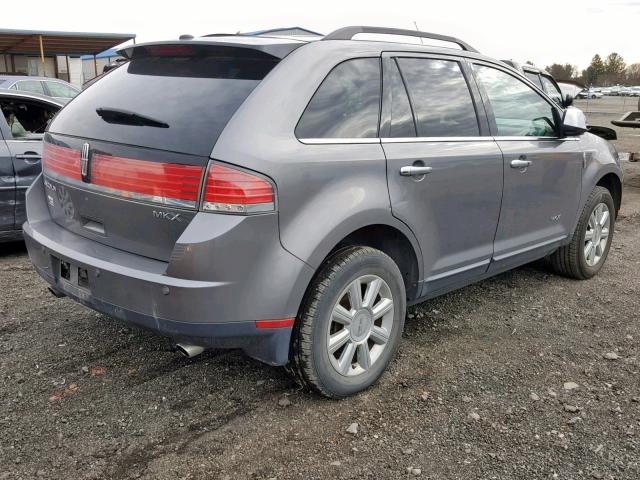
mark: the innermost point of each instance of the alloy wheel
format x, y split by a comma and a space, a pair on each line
360, 325
597, 235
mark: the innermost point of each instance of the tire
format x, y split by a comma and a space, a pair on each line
328, 298
571, 260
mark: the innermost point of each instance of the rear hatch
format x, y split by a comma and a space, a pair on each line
124, 162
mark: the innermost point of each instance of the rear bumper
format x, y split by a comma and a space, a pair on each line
141, 291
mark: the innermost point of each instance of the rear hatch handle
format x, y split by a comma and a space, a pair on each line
125, 117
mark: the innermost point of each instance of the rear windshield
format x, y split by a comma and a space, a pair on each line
192, 97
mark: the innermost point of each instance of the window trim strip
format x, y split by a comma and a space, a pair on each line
351, 141
337, 141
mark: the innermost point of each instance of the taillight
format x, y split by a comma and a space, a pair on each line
233, 191
61, 161
167, 183
157, 182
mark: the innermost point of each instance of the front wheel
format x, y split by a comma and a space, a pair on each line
350, 324
589, 247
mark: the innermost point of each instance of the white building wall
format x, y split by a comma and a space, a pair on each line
75, 71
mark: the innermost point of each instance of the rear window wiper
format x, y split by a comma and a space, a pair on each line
124, 117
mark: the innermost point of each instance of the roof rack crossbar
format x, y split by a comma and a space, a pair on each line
347, 33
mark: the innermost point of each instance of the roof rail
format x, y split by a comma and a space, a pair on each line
347, 33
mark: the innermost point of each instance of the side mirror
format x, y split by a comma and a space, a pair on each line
603, 132
574, 122
568, 100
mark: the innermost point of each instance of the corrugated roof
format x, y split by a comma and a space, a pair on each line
59, 43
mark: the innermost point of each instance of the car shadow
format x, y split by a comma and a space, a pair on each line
10, 249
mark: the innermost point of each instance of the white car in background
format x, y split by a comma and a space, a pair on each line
590, 93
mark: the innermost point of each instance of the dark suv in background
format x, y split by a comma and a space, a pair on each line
290, 198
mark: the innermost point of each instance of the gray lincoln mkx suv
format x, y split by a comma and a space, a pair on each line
290, 198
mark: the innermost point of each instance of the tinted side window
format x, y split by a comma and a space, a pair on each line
551, 90
402, 124
31, 86
518, 109
440, 97
347, 103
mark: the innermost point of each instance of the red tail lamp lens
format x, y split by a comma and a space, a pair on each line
234, 191
61, 162
167, 183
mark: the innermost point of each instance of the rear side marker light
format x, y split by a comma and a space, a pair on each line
285, 323
228, 190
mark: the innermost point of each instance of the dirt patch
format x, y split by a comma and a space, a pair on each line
524, 376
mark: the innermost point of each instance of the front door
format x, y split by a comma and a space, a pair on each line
444, 170
542, 172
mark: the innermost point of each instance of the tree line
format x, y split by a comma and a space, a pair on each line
603, 73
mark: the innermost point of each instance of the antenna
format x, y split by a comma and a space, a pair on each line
417, 30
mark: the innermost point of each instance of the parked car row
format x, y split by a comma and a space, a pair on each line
290, 198
619, 91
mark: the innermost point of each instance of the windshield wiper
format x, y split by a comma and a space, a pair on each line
124, 117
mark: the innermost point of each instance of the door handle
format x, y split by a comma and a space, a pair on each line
29, 157
411, 171
520, 163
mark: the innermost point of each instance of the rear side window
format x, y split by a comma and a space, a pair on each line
33, 86
440, 96
193, 94
57, 89
347, 103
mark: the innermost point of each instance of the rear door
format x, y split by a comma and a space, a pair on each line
7, 183
542, 174
444, 170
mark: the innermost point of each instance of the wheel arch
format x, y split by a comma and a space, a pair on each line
398, 243
612, 182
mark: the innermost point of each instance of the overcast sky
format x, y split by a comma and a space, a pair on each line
544, 31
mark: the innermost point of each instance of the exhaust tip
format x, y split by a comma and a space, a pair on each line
55, 293
189, 351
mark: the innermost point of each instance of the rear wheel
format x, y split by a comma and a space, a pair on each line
350, 324
588, 250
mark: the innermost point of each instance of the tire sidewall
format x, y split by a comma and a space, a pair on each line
602, 196
373, 264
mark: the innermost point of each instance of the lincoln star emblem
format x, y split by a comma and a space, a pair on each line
85, 156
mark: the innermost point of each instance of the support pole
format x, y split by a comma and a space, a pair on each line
95, 65
41, 52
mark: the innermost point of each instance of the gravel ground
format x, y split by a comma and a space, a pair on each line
524, 376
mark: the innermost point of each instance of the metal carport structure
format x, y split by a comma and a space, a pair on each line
52, 43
